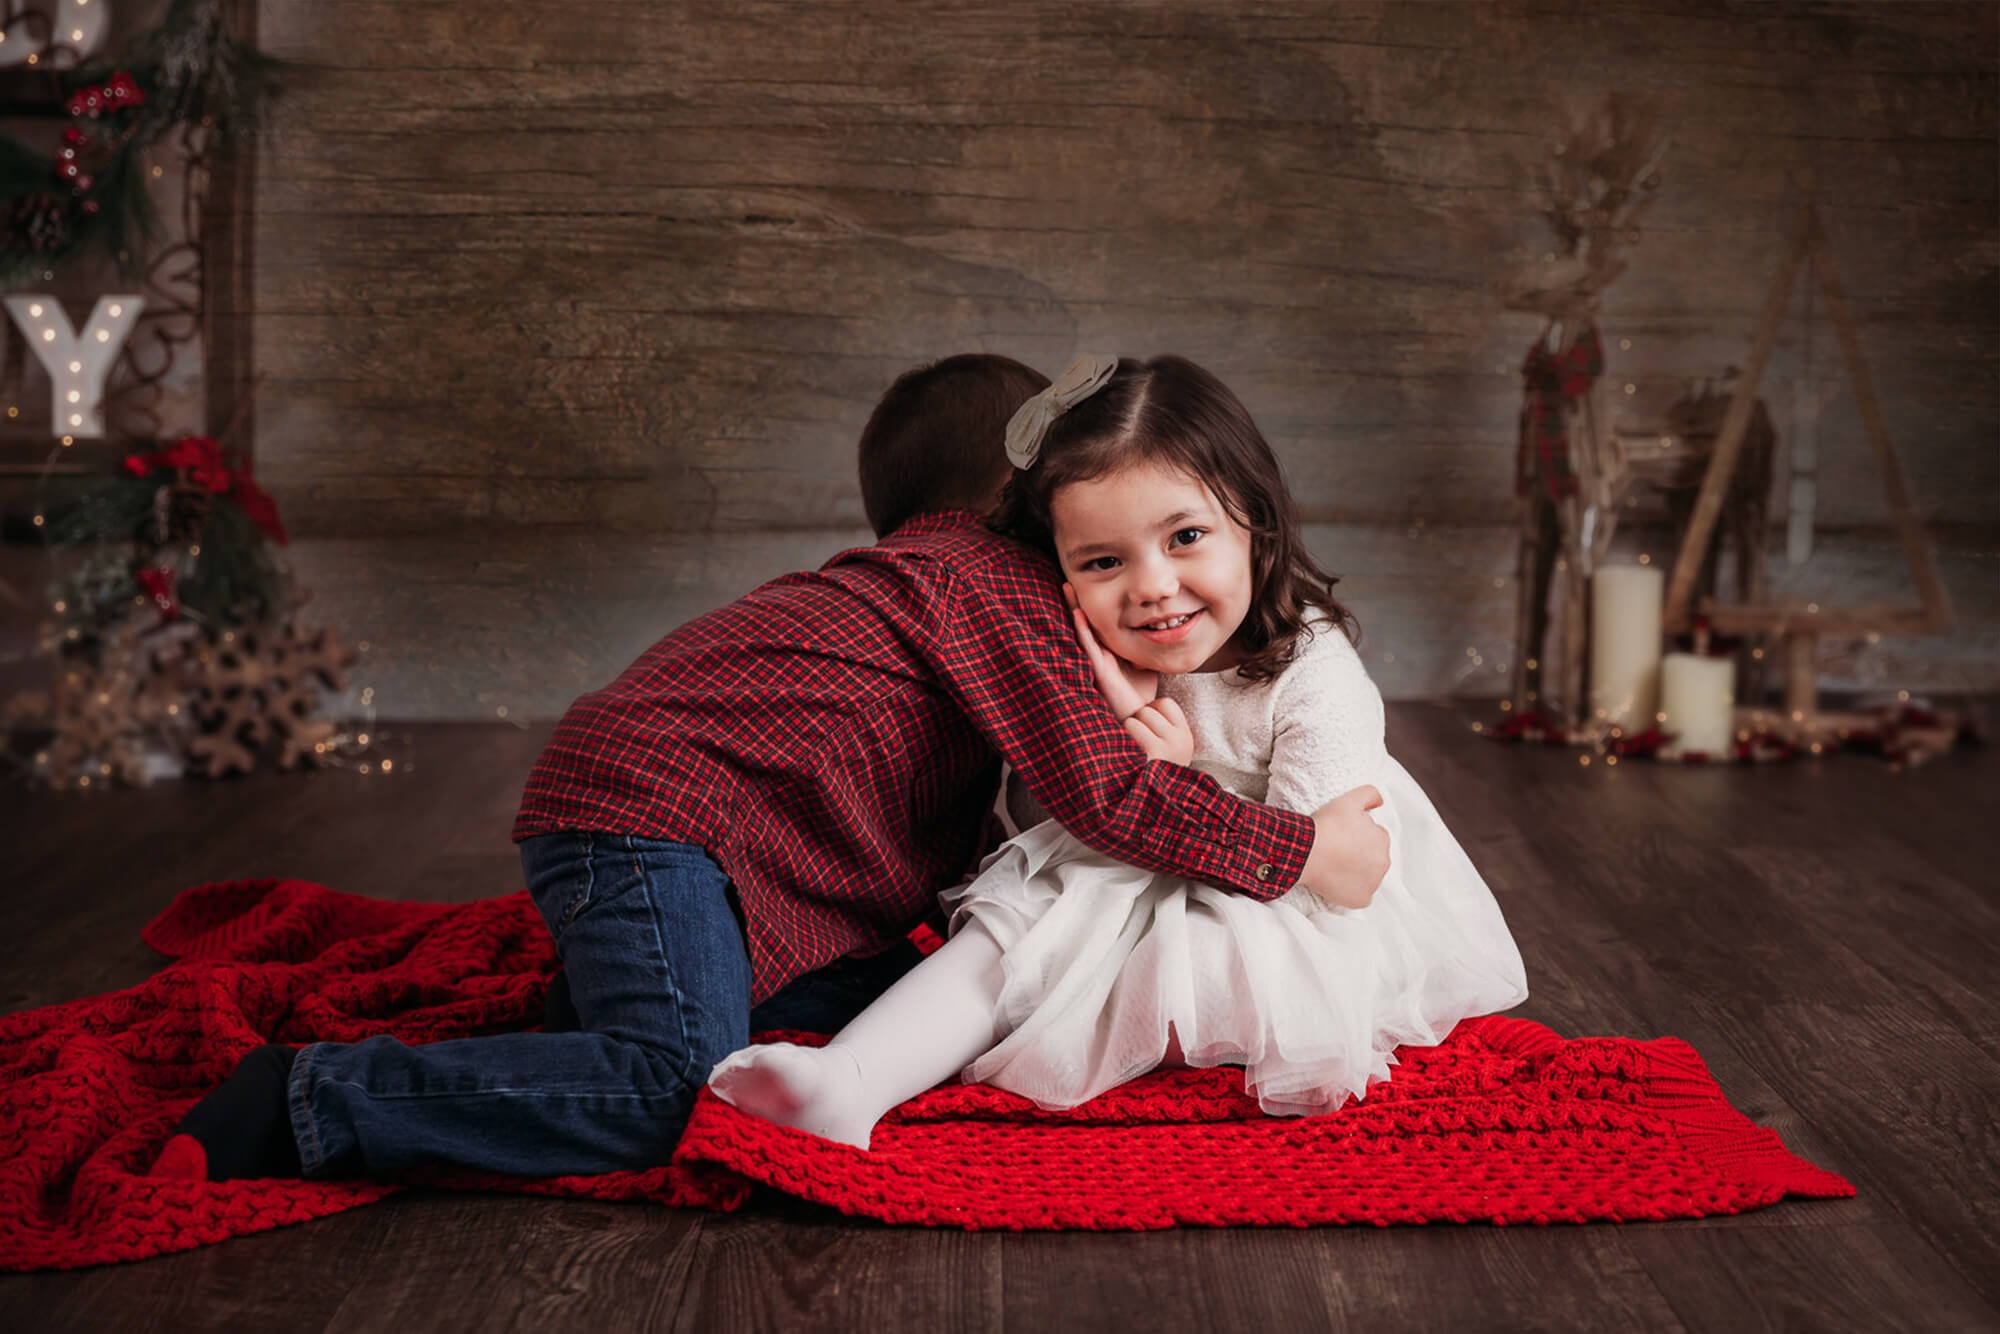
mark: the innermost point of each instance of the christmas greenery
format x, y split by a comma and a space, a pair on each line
190, 72
184, 531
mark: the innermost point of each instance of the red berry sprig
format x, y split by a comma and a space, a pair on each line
118, 93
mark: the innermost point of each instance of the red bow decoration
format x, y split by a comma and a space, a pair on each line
1551, 386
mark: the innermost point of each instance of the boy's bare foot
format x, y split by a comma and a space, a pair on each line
814, 1089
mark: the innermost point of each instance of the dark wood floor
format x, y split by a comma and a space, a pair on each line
1826, 934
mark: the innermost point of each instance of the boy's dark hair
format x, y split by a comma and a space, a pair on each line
1171, 411
937, 440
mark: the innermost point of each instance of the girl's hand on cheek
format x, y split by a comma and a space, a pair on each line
1162, 731
1125, 688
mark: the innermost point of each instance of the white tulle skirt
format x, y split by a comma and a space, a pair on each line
1112, 971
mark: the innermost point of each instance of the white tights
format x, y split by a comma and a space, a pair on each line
917, 1034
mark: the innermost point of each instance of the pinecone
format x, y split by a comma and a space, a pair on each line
38, 223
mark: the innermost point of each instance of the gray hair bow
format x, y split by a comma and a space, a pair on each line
1084, 377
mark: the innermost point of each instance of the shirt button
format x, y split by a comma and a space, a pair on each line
1264, 871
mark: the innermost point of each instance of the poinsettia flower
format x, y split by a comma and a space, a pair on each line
139, 465
191, 451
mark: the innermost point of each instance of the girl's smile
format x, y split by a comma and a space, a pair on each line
1169, 631
1160, 568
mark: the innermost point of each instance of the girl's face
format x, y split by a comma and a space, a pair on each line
1161, 570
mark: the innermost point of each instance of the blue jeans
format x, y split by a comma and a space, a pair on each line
818, 1002
660, 981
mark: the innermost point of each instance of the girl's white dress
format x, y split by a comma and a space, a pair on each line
1112, 971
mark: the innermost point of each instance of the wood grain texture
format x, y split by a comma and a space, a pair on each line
1823, 934
548, 1264
1349, 1278
1735, 962
578, 251
640, 270
792, 1266
460, 626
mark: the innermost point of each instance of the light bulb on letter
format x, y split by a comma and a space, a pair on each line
77, 364
79, 27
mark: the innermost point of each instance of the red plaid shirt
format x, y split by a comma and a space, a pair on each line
834, 741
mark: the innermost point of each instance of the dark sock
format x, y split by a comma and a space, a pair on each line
241, 1129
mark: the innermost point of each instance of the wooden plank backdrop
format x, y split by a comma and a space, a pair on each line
570, 313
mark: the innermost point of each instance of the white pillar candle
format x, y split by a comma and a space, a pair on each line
1698, 696
1625, 604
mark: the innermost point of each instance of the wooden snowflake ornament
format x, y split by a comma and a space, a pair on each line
256, 688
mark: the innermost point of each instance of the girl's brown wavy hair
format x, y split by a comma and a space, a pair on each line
1170, 411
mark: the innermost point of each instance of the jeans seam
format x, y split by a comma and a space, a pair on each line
667, 967
375, 1095
589, 886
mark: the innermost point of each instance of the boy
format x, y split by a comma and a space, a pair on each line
773, 788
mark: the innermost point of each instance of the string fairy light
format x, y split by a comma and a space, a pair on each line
86, 27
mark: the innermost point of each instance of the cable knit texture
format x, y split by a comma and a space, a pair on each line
1505, 1122
89, 1089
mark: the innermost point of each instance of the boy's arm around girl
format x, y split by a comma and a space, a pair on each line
1008, 655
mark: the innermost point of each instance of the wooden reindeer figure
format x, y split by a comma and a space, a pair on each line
1571, 465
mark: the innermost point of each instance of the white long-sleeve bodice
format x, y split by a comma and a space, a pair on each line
1111, 969
1297, 741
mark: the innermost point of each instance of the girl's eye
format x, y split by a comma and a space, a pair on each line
1187, 536
1099, 564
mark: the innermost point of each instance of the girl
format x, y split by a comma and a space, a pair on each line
1218, 640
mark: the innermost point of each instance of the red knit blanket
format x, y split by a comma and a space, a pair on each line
1505, 1122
